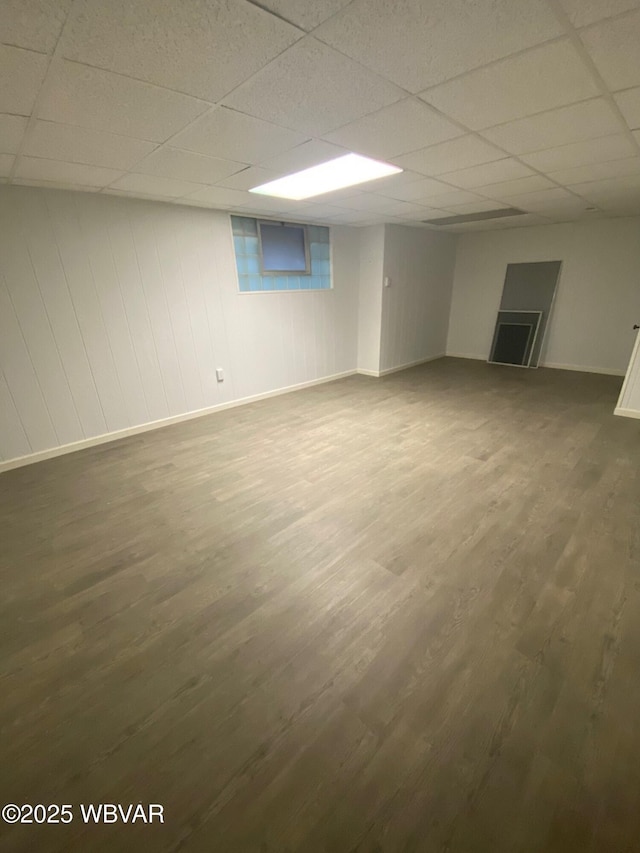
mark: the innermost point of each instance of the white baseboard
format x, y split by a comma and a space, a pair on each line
52, 452
400, 367
606, 371
466, 355
627, 413
411, 364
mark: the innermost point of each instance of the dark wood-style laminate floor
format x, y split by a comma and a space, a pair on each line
371, 616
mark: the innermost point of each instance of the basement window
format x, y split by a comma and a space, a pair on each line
283, 249
275, 256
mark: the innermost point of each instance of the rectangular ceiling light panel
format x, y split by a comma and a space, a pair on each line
346, 171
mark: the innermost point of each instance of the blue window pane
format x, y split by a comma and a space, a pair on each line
238, 242
251, 244
244, 283
293, 282
283, 248
255, 282
267, 282
319, 251
281, 282
326, 282
250, 226
318, 234
237, 224
241, 263
253, 264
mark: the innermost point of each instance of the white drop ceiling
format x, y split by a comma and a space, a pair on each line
485, 104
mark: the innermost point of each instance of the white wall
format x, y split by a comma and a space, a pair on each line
416, 305
597, 301
115, 313
371, 247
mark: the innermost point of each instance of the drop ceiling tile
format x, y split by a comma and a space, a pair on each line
11, 132
268, 205
504, 189
418, 45
476, 207
313, 89
401, 127
99, 100
629, 103
233, 136
227, 199
6, 164
628, 207
167, 162
218, 197
524, 221
54, 171
584, 12
64, 142
204, 49
540, 79
357, 217
449, 156
324, 210
152, 185
33, 24
135, 196
303, 156
586, 120
613, 46
415, 211
57, 185
365, 201
248, 178
22, 73
597, 171
445, 200
487, 173
538, 201
422, 188
610, 188
581, 153
305, 14
400, 209
393, 182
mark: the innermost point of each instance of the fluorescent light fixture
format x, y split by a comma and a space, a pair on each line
346, 171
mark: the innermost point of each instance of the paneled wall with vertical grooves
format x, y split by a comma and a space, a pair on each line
415, 307
115, 312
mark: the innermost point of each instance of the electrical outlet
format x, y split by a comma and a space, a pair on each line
219, 374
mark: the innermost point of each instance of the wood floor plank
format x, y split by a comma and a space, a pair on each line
373, 616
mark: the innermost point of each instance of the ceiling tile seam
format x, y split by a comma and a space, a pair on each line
45, 87
98, 132
138, 80
276, 15
416, 100
493, 62
591, 67
26, 49
627, 13
212, 109
542, 113
179, 91
213, 105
